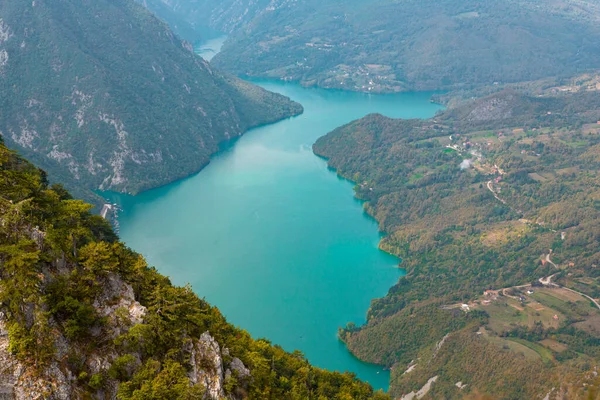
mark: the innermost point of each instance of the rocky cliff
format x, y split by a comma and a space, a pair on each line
19, 382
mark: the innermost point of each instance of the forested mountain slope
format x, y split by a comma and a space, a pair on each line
103, 95
501, 195
83, 316
386, 45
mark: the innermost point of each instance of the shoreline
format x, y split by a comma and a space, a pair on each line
299, 82
362, 201
221, 147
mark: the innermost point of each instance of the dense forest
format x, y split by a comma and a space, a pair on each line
82, 315
389, 46
103, 95
497, 193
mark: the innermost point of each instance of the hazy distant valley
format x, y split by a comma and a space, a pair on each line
389, 46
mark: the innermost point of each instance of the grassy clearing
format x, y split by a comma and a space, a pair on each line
548, 175
505, 315
538, 312
544, 353
537, 177
552, 302
415, 177
566, 171
564, 294
529, 353
483, 134
570, 308
590, 325
591, 129
554, 345
502, 233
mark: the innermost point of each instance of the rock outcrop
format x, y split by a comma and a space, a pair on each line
208, 367
21, 383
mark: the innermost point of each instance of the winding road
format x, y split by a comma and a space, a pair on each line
491, 189
548, 282
544, 281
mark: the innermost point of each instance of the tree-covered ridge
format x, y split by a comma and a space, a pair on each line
83, 316
387, 45
494, 194
102, 94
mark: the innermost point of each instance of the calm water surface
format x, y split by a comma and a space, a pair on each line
271, 236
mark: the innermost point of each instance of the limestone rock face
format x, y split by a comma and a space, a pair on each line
105, 304
238, 366
210, 369
10, 369
56, 382
207, 366
116, 302
20, 383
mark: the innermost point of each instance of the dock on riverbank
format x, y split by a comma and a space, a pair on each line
105, 209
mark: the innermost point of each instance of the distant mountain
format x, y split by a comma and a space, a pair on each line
103, 95
387, 45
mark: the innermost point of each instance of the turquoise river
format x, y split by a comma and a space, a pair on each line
271, 236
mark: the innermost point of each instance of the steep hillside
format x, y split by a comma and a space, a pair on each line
83, 316
104, 96
499, 195
386, 45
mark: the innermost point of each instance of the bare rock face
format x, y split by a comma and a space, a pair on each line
19, 383
132, 312
207, 366
210, 369
10, 369
117, 302
238, 366
54, 385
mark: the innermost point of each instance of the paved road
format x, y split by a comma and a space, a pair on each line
548, 282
